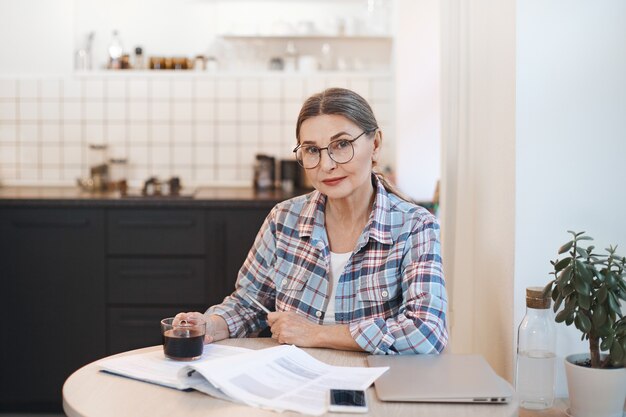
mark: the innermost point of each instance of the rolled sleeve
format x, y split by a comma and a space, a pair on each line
420, 324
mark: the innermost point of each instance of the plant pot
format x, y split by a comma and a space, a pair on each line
594, 392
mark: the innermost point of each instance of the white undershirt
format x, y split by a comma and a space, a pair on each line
338, 263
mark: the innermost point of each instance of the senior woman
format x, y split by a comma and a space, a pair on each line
351, 265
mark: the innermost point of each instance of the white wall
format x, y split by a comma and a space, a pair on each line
571, 137
36, 36
418, 114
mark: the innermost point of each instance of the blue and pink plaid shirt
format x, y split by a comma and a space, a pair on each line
391, 294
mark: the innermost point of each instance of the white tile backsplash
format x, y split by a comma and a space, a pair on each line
161, 89
116, 89
28, 89
94, 89
205, 128
227, 111
8, 132
50, 110
138, 111
182, 111
51, 133
28, 132
29, 109
72, 111
160, 111
51, 89
94, 111
182, 89
8, 88
116, 110
8, 110
227, 88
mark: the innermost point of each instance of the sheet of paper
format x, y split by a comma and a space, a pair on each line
154, 367
282, 378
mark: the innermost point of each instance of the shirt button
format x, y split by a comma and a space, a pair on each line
385, 294
318, 314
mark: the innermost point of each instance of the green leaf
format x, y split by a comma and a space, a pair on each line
599, 316
558, 302
617, 352
547, 289
581, 285
584, 301
602, 293
582, 252
613, 304
610, 279
568, 290
607, 342
561, 316
555, 292
566, 247
583, 323
584, 272
562, 264
584, 237
569, 320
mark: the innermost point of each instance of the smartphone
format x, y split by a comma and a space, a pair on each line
347, 401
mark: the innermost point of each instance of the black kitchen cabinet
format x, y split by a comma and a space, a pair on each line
82, 279
231, 235
156, 261
52, 300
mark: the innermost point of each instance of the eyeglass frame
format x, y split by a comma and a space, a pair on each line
351, 141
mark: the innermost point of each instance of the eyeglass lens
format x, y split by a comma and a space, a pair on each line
341, 151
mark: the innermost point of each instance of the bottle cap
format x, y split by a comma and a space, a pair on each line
536, 299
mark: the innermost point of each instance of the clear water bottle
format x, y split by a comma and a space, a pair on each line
536, 353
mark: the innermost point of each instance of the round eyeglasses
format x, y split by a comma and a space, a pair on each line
340, 150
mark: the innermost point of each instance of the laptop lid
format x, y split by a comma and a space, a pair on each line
439, 378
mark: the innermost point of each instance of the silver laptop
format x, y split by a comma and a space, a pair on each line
439, 378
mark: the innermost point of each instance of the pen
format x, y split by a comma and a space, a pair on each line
255, 301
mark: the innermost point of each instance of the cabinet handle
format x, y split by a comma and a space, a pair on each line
156, 223
156, 273
75, 223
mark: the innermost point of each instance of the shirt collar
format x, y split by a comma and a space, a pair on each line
311, 222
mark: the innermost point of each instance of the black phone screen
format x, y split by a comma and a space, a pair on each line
347, 397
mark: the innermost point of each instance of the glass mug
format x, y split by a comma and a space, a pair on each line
183, 341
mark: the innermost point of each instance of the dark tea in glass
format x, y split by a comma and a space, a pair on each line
183, 341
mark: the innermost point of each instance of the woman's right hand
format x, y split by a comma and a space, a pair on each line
195, 318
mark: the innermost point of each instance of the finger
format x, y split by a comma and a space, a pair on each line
272, 317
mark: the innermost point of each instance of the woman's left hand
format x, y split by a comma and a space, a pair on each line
291, 328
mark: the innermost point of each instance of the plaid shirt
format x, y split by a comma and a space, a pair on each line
391, 293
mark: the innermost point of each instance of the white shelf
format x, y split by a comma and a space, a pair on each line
320, 37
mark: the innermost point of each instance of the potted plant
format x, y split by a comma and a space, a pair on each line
586, 290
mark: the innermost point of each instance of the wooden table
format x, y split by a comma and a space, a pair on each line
88, 392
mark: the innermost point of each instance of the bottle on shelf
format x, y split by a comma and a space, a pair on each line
536, 353
116, 50
139, 62
291, 57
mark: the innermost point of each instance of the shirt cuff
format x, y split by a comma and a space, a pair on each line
372, 335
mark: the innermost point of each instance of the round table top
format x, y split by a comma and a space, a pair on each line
88, 392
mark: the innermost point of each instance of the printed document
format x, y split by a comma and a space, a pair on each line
278, 378
155, 368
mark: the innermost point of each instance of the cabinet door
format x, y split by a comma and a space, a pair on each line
231, 235
156, 232
52, 301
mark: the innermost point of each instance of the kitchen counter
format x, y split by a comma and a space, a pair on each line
202, 197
